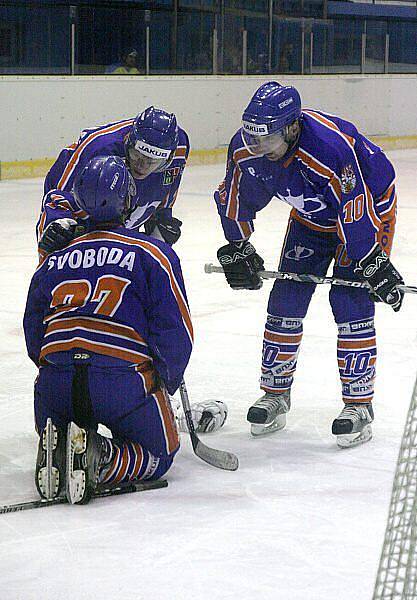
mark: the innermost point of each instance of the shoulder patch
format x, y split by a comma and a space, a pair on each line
348, 179
170, 175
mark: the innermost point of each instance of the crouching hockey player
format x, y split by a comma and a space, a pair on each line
107, 323
342, 190
155, 150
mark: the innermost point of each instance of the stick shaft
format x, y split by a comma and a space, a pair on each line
307, 278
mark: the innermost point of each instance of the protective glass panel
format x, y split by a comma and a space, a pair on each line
29, 42
195, 42
103, 48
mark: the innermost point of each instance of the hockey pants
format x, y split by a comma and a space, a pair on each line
145, 436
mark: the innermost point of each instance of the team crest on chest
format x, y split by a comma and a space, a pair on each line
170, 175
348, 179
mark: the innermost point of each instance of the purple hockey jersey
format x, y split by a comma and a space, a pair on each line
157, 191
335, 179
114, 293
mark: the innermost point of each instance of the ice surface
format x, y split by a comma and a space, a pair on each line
300, 520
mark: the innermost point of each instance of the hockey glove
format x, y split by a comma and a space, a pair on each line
241, 264
168, 228
59, 234
207, 416
377, 269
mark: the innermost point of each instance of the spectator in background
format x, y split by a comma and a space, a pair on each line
127, 65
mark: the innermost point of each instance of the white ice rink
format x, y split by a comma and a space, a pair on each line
300, 519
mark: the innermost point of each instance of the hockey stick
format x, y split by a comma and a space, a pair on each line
305, 278
216, 458
124, 488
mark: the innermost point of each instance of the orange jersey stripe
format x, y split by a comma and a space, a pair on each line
106, 349
232, 209
245, 227
75, 157
350, 140
314, 226
241, 154
157, 254
322, 170
95, 324
180, 152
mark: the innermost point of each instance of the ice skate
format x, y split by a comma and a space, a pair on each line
268, 414
87, 452
207, 416
50, 461
353, 426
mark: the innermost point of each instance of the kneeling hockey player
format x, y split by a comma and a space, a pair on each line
342, 190
108, 324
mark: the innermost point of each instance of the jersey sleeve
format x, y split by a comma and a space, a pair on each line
175, 172
33, 326
58, 205
170, 335
238, 198
105, 140
358, 223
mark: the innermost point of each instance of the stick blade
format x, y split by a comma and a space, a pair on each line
217, 458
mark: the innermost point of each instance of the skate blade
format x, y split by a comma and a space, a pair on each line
48, 476
276, 425
76, 481
350, 440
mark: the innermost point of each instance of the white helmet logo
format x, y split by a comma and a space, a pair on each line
115, 180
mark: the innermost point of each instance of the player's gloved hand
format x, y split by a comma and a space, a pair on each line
377, 269
59, 234
164, 227
241, 264
207, 416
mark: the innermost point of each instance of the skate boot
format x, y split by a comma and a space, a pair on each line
87, 453
207, 416
352, 427
268, 414
50, 462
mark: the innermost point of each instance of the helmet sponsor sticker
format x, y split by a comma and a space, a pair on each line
255, 129
285, 103
152, 151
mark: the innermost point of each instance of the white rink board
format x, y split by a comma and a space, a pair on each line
42, 114
300, 520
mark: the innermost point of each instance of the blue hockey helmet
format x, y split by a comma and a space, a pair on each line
104, 189
267, 118
150, 146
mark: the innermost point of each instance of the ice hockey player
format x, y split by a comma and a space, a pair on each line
107, 323
155, 149
342, 190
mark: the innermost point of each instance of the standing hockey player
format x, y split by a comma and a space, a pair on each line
342, 190
155, 149
107, 323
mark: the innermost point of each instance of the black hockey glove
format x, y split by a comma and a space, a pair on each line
59, 234
169, 228
377, 269
241, 264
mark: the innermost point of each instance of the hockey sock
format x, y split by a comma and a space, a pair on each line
282, 339
130, 461
356, 357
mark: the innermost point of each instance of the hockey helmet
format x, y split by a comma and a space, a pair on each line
150, 146
268, 117
104, 189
